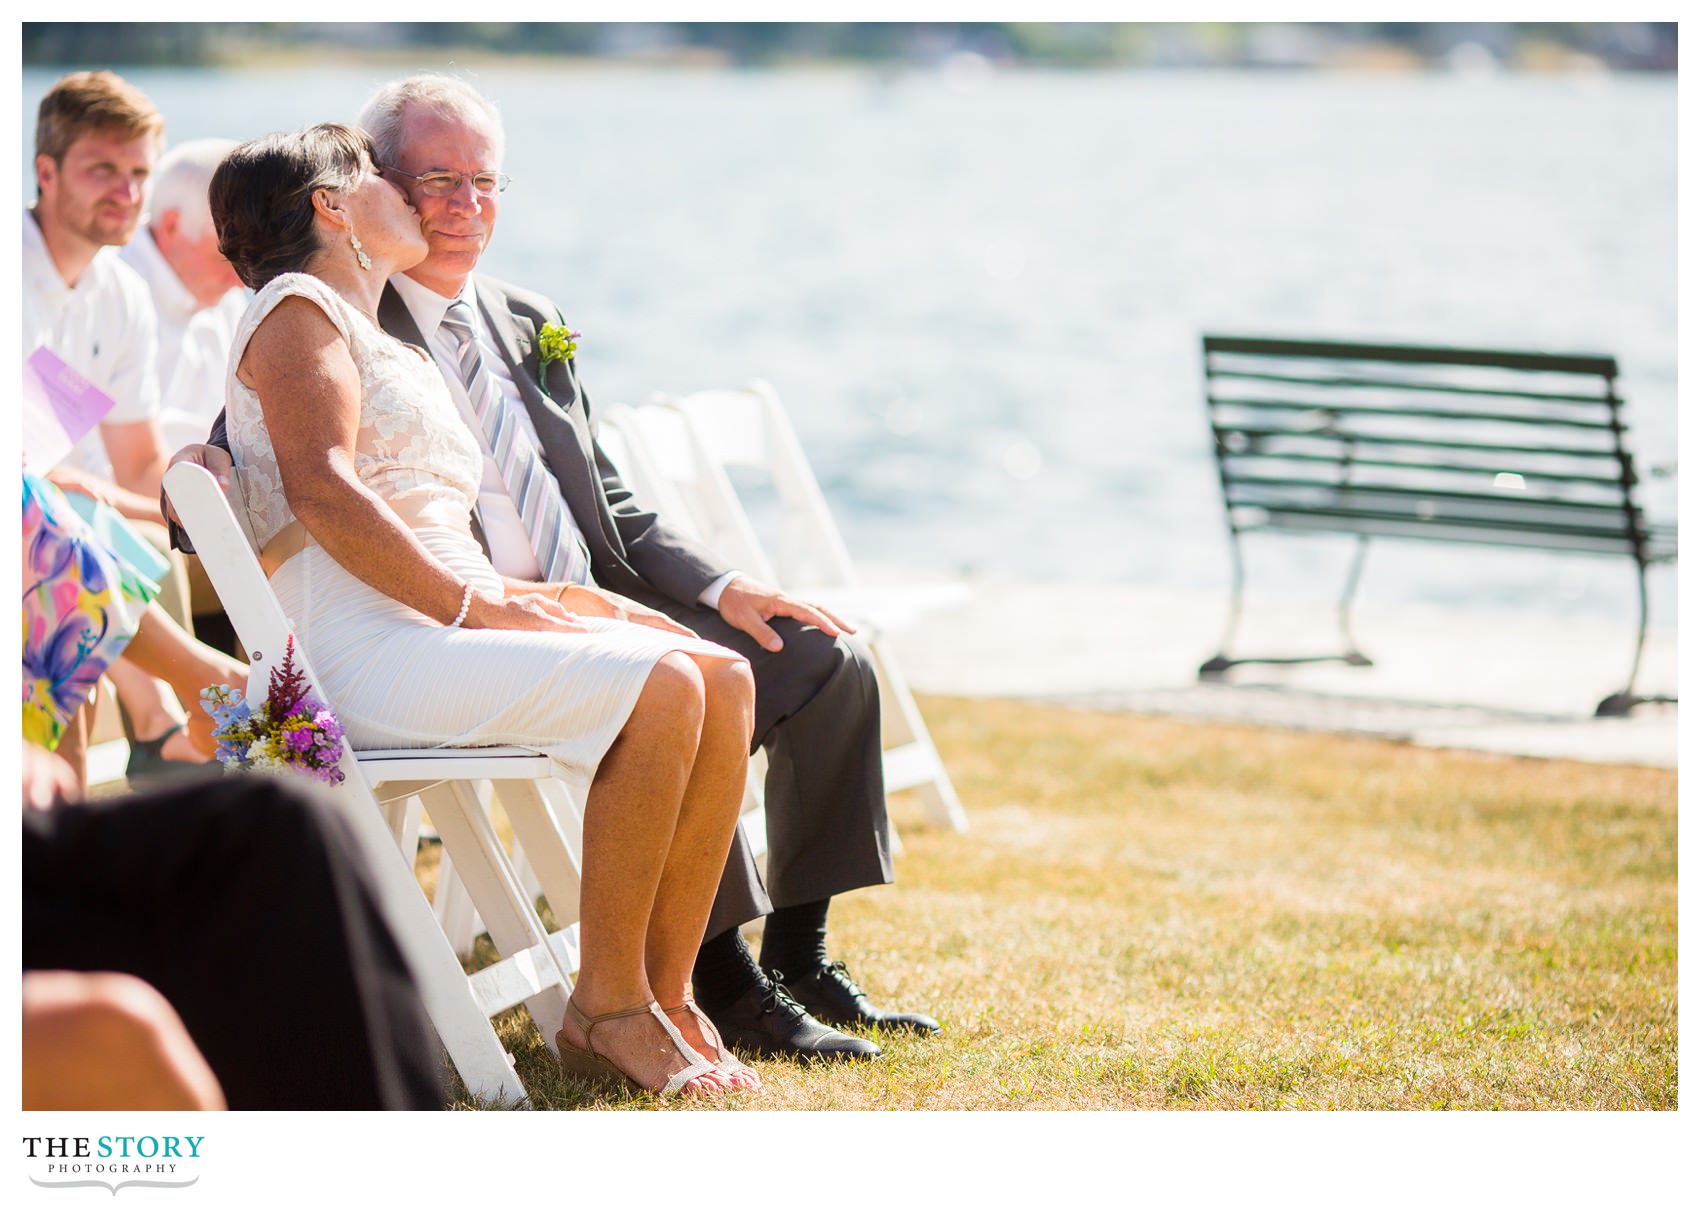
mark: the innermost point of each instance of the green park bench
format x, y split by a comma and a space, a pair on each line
1411, 442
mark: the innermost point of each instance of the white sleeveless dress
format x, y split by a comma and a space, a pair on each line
397, 678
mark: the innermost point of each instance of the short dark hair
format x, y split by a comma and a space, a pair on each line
86, 102
262, 196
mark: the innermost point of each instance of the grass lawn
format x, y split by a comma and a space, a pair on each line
1149, 913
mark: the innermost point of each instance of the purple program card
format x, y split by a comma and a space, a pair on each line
60, 406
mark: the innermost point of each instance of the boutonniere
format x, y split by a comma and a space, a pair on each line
555, 343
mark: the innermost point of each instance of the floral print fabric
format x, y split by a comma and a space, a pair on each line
81, 604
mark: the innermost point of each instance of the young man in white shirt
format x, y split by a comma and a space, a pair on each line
96, 139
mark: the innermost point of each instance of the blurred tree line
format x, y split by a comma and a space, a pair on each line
1384, 45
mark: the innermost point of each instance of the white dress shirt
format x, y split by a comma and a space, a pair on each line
103, 328
194, 344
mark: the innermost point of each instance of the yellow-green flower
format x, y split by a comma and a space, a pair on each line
555, 343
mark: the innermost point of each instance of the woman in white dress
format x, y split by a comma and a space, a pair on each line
359, 478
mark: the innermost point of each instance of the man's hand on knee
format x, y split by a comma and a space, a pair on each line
747, 604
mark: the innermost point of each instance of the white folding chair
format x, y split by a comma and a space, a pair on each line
621, 435
651, 465
451, 902
382, 794
690, 442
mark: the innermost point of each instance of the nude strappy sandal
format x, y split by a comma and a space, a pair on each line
728, 1066
589, 1063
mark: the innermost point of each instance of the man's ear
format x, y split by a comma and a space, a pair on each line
46, 172
166, 228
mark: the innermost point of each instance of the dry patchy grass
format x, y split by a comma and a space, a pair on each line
1149, 913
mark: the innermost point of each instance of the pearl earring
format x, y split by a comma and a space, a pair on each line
359, 253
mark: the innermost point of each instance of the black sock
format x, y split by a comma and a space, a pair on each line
725, 970
793, 940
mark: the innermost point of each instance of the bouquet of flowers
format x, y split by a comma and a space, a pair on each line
291, 730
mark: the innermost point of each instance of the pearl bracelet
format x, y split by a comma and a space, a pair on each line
465, 605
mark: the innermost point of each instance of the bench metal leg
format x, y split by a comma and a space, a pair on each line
1213, 669
1353, 655
1626, 700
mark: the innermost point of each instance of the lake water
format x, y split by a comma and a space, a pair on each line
981, 295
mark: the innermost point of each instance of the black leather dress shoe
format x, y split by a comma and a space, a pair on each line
767, 1021
832, 996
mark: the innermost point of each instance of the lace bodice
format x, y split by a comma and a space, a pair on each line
412, 448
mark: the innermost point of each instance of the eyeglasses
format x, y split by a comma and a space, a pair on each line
441, 183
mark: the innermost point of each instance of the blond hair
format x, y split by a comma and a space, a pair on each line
85, 102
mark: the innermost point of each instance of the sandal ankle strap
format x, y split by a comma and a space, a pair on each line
588, 1021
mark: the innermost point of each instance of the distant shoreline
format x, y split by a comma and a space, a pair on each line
301, 56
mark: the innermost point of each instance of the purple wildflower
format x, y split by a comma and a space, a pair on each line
326, 723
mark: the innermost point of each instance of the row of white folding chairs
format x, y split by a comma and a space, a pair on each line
675, 453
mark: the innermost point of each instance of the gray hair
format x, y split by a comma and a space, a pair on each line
447, 96
180, 181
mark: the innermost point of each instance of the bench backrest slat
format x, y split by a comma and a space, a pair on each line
1279, 486
1602, 365
1257, 434
1342, 381
1412, 528
1394, 408
1248, 462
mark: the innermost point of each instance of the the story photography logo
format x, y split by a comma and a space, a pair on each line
114, 1162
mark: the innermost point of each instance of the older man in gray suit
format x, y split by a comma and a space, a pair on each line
817, 705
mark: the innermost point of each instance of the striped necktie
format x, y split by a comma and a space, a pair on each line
560, 548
